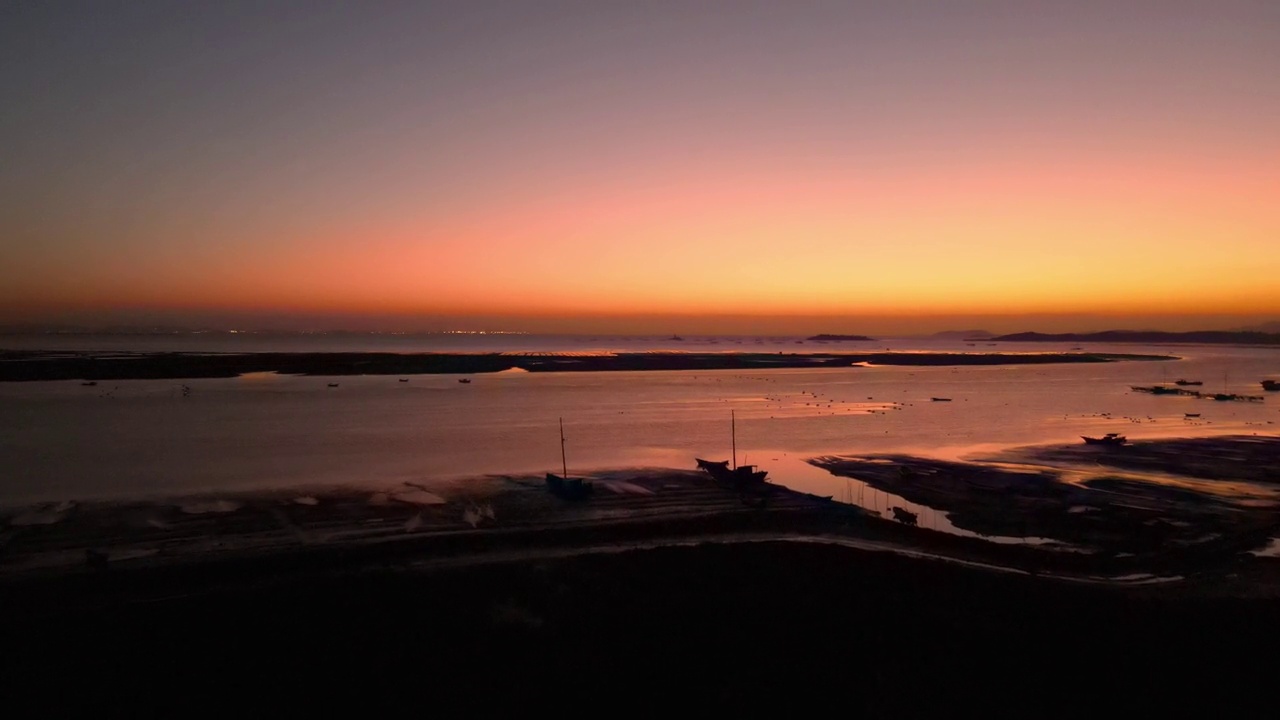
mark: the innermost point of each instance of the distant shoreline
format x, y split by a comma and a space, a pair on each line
1200, 337
17, 366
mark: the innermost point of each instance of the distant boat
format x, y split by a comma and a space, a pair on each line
1271, 385
677, 337
465, 381
89, 383
1191, 415
563, 486
404, 379
941, 399
333, 384
1187, 382
1113, 439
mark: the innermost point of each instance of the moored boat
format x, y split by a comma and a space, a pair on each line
563, 486
569, 488
1112, 439
1271, 385
743, 476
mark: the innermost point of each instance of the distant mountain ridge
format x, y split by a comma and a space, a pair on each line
1267, 327
1219, 337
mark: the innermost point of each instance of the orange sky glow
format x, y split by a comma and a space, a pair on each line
622, 190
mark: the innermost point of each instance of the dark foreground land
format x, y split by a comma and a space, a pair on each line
661, 593
777, 626
33, 365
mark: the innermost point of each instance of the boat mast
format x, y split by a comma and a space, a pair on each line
733, 433
564, 466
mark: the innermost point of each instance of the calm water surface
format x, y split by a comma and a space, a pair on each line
60, 440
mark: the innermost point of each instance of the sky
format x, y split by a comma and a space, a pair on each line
625, 166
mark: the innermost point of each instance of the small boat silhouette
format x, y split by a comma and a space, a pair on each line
333, 384
1108, 439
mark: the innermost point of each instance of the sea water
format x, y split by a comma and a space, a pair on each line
65, 441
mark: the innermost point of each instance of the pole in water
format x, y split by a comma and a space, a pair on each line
733, 434
564, 465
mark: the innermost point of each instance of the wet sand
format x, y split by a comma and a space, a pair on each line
243, 537
33, 365
1190, 508
1170, 506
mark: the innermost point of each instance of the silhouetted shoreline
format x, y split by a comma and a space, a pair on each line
35, 365
1211, 337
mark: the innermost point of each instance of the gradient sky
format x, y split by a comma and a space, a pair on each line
623, 165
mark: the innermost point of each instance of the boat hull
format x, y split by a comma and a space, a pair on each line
569, 488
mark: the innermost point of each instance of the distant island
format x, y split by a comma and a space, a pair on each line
1148, 337
839, 338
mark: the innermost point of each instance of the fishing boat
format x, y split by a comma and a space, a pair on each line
1113, 439
333, 384
1191, 415
465, 381
737, 477
740, 477
940, 399
1180, 381
563, 486
1271, 385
